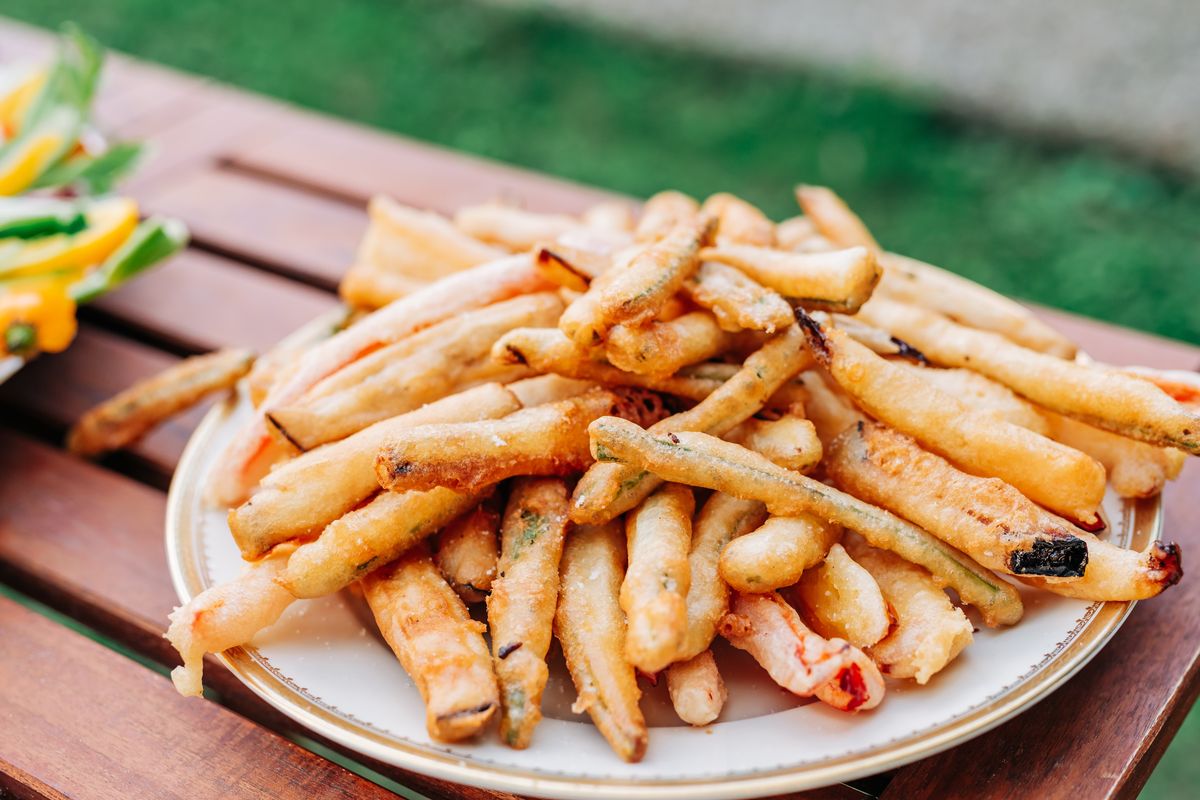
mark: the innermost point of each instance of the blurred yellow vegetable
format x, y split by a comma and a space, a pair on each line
109, 223
15, 104
36, 318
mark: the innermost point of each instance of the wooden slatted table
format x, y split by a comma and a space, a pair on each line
275, 198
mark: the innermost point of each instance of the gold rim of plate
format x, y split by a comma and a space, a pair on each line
1097, 626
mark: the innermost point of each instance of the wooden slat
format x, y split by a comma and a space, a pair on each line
305, 235
242, 307
83, 721
355, 162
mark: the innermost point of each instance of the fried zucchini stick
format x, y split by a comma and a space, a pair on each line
637, 290
607, 490
370, 537
1054, 475
696, 689
1103, 398
301, 496
920, 284
984, 517
543, 440
663, 348
524, 596
737, 301
701, 460
590, 626
841, 599
1135, 469
657, 581
225, 616
438, 644
777, 553
569, 267
447, 357
134, 412
549, 350
255, 450
841, 280
512, 228
467, 551
929, 631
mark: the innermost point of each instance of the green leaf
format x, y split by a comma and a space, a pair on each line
94, 175
152, 241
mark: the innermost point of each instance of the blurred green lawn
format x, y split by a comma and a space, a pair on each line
1066, 225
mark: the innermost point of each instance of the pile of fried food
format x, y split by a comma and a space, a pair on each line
637, 435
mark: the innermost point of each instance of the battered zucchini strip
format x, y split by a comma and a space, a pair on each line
985, 394
590, 626
1115, 573
662, 348
607, 490
920, 284
841, 280
549, 350
438, 644
449, 356
544, 440
275, 365
1051, 474
738, 222
524, 596
609, 215
696, 689
467, 551
737, 301
701, 460
418, 245
548, 389
637, 290
654, 592
984, 517
827, 406
929, 632
369, 537
226, 615
1100, 397
722, 518
570, 267
662, 213
777, 553
255, 450
798, 233
1135, 469
839, 598
512, 228
134, 412
301, 496
790, 441
368, 287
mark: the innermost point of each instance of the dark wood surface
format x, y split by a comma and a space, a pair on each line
275, 198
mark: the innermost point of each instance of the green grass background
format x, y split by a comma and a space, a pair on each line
1066, 225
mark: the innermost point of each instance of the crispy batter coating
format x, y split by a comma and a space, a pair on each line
663, 348
590, 626
134, 412
841, 599
777, 553
984, 517
985, 394
662, 213
840, 280
1135, 469
512, 228
929, 631
701, 460
467, 550
654, 593
1059, 477
301, 496
523, 599
438, 644
790, 441
696, 689
225, 616
736, 300
739, 222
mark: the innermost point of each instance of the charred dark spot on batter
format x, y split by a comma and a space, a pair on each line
982, 518
468, 712
852, 683
1065, 557
508, 649
816, 337
674, 439
515, 356
401, 468
1167, 557
283, 432
906, 350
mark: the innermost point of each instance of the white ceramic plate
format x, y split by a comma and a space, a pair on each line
324, 665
